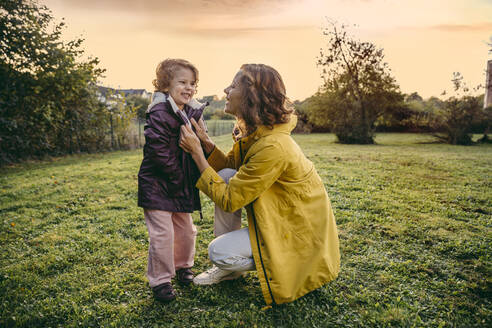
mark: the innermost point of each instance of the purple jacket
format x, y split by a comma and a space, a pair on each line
167, 176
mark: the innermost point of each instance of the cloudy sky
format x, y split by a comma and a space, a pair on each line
424, 41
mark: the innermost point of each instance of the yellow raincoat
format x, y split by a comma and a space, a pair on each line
292, 229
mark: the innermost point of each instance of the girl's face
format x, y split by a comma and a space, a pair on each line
233, 96
182, 86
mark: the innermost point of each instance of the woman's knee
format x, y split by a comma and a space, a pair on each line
219, 250
230, 262
232, 251
213, 251
226, 174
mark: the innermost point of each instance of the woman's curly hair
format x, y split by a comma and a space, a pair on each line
166, 70
264, 100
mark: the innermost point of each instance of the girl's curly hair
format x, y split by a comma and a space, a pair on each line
165, 72
264, 100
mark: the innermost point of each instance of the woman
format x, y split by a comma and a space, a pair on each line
291, 238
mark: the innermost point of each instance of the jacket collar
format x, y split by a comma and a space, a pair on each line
161, 97
245, 143
264, 130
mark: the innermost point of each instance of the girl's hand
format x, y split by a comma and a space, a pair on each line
189, 141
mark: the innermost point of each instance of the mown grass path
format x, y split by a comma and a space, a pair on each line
414, 223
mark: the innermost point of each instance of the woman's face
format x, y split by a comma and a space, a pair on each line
182, 86
233, 96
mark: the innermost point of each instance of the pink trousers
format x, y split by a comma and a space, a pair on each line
171, 244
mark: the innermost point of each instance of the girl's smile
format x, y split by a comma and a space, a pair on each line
182, 87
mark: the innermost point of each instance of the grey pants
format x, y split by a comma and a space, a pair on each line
231, 249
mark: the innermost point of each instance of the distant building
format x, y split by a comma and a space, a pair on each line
137, 92
488, 86
107, 95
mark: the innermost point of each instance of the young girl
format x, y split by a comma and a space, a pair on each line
167, 178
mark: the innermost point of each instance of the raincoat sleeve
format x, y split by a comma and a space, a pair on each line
260, 171
218, 160
157, 141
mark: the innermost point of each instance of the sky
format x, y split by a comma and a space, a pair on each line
424, 41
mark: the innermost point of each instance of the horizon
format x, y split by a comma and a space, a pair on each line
437, 37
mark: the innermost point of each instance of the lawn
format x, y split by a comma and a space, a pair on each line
414, 222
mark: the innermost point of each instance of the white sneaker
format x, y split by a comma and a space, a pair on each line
214, 275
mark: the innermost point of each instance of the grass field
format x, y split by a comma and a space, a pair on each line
414, 224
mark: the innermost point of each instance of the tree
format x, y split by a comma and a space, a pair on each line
456, 117
423, 113
138, 105
303, 124
358, 87
48, 102
414, 97
215, 109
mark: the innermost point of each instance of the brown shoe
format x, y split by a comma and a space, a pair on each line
185, 275
164, 292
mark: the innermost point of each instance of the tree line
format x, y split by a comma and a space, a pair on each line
451, 120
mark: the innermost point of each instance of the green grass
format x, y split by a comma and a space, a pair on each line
415, 235
220, 127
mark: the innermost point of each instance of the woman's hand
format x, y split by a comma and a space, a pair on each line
201, 132
189, 141
200, 128
191, 144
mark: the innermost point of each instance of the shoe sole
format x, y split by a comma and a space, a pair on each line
165, 300
232, 276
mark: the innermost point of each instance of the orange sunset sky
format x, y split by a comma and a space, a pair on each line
424, 41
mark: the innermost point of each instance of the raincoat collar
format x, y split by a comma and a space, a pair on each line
264, 130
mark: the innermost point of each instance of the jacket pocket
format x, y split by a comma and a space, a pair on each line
169, 189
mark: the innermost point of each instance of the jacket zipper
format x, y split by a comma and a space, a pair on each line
181, 117
256, 233
241, 152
